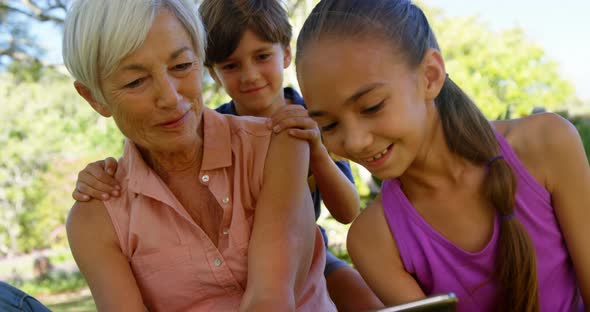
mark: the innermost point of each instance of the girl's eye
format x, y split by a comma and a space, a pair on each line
374, 108
135, 83
328, 127
183, 66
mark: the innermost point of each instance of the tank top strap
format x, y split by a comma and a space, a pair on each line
519, 168
397, 215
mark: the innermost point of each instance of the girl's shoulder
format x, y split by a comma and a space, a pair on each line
535, 133
539, 140
364, 226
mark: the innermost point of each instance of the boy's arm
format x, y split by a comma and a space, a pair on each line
96, 181
283, 234
338, 190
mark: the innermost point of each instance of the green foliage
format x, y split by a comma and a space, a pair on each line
47, 132
501, 70
56, 282
583, 125
83, 303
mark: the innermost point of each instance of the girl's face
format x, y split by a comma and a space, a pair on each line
371, 107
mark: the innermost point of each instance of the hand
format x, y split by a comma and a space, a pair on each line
97, 181
295, 119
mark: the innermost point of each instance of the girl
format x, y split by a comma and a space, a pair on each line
495, 212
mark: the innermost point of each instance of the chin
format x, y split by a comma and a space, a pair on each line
392, 173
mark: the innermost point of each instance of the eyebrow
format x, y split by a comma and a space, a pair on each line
230, 59
353, 98
173, 56
364, 90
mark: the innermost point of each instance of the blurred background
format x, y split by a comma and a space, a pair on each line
513, 57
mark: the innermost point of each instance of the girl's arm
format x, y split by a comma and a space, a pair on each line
283, 234
96, 250
375, 255
338, 192
568, 181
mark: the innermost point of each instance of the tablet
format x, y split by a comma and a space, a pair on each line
434, 303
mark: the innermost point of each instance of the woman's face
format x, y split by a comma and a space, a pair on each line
154, 94
370, 106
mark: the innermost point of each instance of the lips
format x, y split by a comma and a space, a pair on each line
252, 90
175, 121
378, 158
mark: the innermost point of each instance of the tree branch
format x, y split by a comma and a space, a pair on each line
36, 12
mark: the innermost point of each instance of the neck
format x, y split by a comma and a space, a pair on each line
178, 163
435, 166
277, 103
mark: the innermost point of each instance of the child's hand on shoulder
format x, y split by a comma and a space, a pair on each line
296, 121
97, 181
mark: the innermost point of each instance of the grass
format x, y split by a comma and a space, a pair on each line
79, 301
55, 283
82, 304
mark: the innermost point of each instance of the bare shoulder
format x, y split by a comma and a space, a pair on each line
370, 231
539, 140
86, 219
364, 225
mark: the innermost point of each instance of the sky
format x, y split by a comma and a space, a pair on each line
561, 28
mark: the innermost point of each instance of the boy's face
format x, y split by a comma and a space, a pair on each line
253, 75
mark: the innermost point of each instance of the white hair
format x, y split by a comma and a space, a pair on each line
98, 34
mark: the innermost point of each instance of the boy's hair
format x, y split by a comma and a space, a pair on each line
226, 21
403, 26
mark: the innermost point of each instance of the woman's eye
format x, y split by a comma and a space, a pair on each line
374, 108
135, 83
183, 66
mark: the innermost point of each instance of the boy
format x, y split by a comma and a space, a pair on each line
248, 50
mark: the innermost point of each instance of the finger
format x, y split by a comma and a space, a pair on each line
110, 164
287, 111
308, 135
94, 183
79, 196
295, 122
97, 170
85, 189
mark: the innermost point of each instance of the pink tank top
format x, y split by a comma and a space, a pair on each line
439, 266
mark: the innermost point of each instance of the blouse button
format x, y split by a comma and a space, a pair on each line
217, 262
205, 178
225, 200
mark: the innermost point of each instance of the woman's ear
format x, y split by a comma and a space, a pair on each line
87, 95
434, 73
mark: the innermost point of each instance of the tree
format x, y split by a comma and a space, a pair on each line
47, 133
501, 70
20, 51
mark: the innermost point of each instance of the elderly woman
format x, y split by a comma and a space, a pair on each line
206, 220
